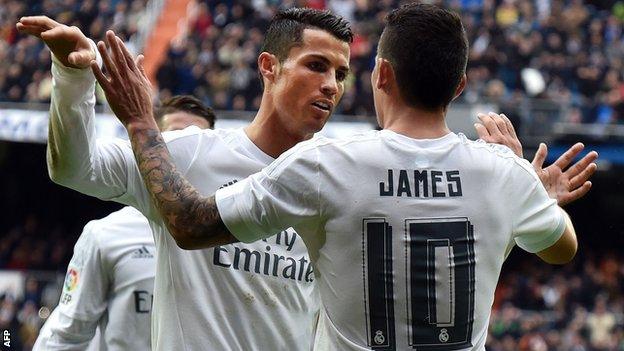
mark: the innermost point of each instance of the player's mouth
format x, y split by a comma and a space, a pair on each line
323, 105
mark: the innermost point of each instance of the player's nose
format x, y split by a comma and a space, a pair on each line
330, 85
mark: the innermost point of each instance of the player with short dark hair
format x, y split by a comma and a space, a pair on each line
408, 227
180, 111
429, 67
233, 297
286, 29
110, 278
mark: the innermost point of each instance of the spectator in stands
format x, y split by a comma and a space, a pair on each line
575, 46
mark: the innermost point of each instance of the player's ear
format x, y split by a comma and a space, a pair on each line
267, 65
460, 86
385, 74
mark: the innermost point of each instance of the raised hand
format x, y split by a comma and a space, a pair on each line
497, 129
569, 185
564, 186
127, 88
68, 44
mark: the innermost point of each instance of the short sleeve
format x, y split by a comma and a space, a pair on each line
284, 194
538, 220
86, 282
83, 298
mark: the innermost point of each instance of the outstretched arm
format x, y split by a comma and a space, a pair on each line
75, 158
563, 185
192, 219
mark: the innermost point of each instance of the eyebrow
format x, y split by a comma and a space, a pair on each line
344, 69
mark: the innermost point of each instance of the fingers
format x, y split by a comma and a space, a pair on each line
583, 169
39, 21
139, 63
499, 132
100, 77
576, 194
56, 33
581, 165
510, 126
540, 157
482, 132
583, 176
117, 54
32, 30
500, 122
108, 62
564, 160
127, 55
80, 58
490, 124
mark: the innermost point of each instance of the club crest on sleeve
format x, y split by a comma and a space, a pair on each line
71, 280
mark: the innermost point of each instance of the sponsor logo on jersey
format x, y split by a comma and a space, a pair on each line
142, 252
71, 280
143, 301
267, 262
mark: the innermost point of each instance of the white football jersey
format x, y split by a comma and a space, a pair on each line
258, 296
407, 236
109, 285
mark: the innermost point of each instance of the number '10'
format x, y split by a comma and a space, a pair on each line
440, 282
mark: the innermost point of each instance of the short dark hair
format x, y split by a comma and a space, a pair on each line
286, 29
185, 103
428, 50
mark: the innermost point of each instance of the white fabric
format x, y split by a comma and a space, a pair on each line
337, 195
109, 285
235, 297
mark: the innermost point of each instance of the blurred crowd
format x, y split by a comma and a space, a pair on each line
31, 245
577, 307
24, 316
569, 52
25, 63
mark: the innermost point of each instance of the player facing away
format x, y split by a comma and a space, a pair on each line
408, 227
110, 278
231, 297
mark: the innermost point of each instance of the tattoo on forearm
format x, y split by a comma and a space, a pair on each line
190, 217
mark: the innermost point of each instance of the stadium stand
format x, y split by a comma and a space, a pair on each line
540, 61
567, 52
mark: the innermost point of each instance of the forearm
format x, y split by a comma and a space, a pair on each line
71, 134
192, 219
75, 158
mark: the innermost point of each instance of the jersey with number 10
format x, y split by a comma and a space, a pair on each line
408, 236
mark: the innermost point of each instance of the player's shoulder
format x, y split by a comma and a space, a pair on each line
319, 143
323, 142
123, 225
195, 136
188, 133
496, 153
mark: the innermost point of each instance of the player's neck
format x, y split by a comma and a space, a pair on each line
269, 135
416, 123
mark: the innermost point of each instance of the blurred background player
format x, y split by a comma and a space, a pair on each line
110, 278
428, 214
235, 297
